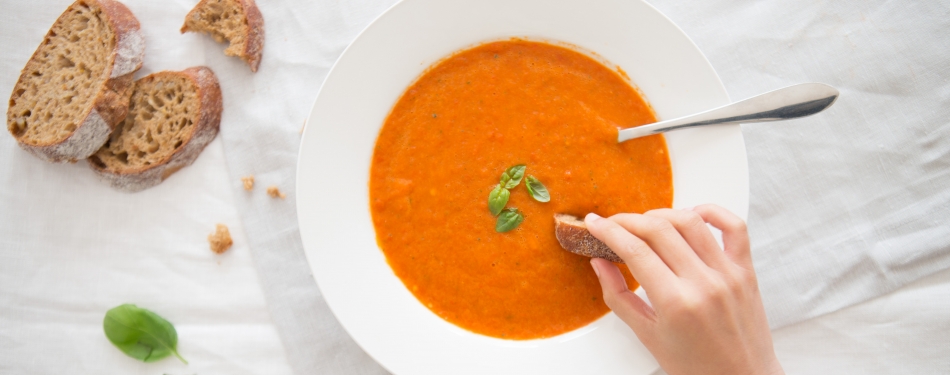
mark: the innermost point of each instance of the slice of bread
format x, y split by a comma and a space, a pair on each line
572, 233
76, 87
172, 117
237, 21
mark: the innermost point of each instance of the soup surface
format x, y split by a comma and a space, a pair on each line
442, 150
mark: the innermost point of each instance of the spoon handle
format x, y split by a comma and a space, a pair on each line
791, 102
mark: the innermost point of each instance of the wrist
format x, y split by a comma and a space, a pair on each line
774, 368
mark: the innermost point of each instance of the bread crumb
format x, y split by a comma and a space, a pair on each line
274, 192
248, 182
220, 240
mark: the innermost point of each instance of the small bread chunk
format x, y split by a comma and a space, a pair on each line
274, 192
172, 117
76, 87
248, 182
220, 240
237, 21
572, 233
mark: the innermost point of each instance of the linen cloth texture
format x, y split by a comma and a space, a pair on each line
304, 39
845, 206
853, 202
71, 247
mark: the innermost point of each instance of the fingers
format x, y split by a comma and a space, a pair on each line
735, 236
664, 239
643, 263
628, 306
693, 228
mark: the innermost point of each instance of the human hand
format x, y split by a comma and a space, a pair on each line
707, 315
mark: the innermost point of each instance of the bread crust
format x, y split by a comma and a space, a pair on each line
206, 128
110, 105
254, 48
254, 39
573, 236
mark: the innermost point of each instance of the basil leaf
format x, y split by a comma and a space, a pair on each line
509, 219
497, 199
512, 176
538, 191
141, 334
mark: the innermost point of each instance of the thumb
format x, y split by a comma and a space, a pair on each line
628, 306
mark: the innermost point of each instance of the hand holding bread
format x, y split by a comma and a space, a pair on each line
707, 315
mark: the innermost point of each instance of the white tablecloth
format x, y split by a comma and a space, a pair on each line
845, 206
851, 203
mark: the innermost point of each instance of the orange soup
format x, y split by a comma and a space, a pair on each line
442, 150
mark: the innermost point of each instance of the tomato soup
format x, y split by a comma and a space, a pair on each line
443, 148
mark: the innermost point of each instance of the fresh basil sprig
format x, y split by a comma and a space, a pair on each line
141, 334
538, 191
512, 176
509, 219
497, 199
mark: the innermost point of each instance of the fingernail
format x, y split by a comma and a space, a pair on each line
592, 217
596, 271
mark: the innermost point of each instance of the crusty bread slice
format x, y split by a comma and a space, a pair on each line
237, 21
76, 87
172, 117
572, 233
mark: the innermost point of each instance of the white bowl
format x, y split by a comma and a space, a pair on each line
709, 166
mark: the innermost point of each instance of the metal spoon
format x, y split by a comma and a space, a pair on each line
787, 103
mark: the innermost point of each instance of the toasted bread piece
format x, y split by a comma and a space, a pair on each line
76, 87
248, 182
220, 241
274, 192
237, 21
172, 117
572, 233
